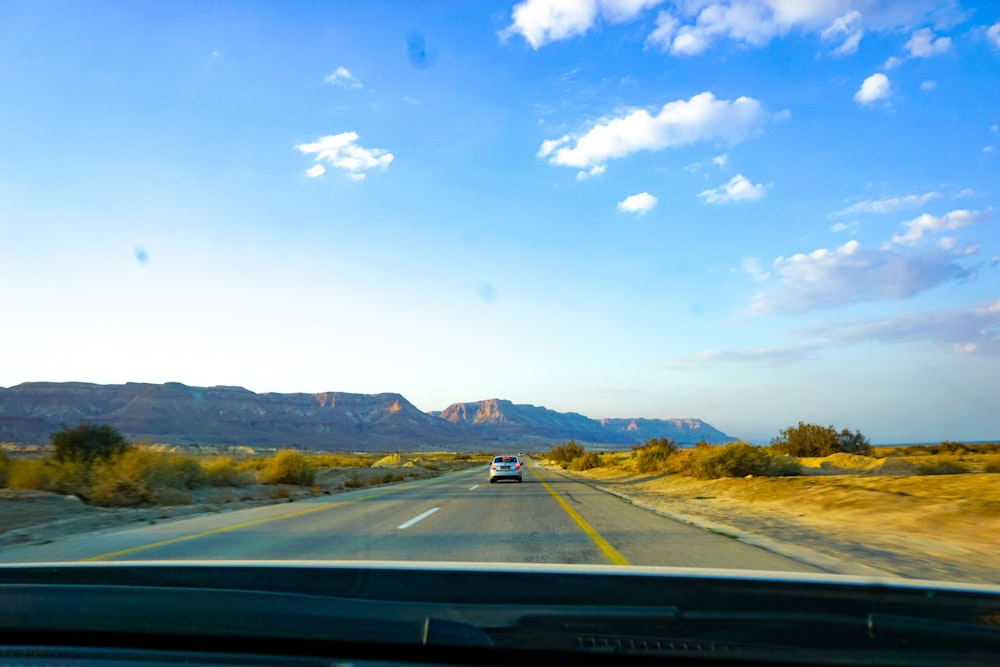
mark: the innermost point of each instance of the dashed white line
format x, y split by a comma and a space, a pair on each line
421, 517
473, 488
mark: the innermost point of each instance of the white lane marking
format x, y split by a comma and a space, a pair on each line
404, 526
473, 488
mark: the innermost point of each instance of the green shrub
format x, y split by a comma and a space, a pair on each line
942, 466
814, 440
288, 467
88, 442
737, 459
784, 465
565, 453
140, 476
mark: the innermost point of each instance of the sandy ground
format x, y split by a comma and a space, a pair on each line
943, 527
38, 517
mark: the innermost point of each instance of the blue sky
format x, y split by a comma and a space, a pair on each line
754, 212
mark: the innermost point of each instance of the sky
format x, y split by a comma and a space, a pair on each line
753, 212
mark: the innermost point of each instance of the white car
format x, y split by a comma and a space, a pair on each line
507, 466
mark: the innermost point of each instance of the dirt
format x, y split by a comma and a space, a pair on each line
942, 527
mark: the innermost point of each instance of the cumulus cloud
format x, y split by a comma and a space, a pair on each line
851, 273
923, 44
930, 84
679, 123
639, 204
544, 21
888, 204
341, 151
739, 188
874, 88
914, 230
343, 77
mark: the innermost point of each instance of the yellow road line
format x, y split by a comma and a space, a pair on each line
612, 554
245, 524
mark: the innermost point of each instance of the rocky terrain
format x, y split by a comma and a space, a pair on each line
178, 414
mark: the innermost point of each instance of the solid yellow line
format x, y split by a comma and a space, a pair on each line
612, 554
245, 524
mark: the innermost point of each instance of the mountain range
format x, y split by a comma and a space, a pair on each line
175, 413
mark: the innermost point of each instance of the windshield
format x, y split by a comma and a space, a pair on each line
708, 284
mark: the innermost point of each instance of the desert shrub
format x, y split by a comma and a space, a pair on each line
737, 459
71, 478
4, 464
31, 474
992, 467
223, 471
784, 465
88, 442
140, 476
586, 461
354, 482
815, 440
288, 467
942, 466
563, 454
653, 456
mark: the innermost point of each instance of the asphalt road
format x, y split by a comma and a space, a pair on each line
548, 518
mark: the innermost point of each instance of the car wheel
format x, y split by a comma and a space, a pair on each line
492, 480
519, 480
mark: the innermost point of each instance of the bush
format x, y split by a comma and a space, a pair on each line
737, 459
31, 474
288, 467
222, 471
992, 467
142, 476
654, 455
942, 466
565, 453
814, 440
587, 461
784, 465
88, 443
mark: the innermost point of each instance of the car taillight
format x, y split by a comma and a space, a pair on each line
517, 467
493, 466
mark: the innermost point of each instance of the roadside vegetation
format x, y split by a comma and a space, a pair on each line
98, 465
803, 449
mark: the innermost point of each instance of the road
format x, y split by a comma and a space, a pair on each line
549, 518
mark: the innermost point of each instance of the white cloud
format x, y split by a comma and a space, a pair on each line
928, 85
543, 21
315, 171
640, 204
893, 61
874, 88
930, 224
341, 151
993, 34
739, 188
971, 328
848, 28
590, 173
679, 123
923, 44
843, 227
343, 77
851, 273
720, 160
751, 265
888, 204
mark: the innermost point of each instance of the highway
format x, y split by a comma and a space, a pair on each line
458, 517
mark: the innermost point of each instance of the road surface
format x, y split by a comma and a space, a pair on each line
548, 518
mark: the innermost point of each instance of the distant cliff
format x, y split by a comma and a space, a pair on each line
504, 420
178, 414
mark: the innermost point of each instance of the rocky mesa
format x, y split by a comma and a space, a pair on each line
179, 414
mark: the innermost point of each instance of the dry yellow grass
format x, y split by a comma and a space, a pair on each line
924, 526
